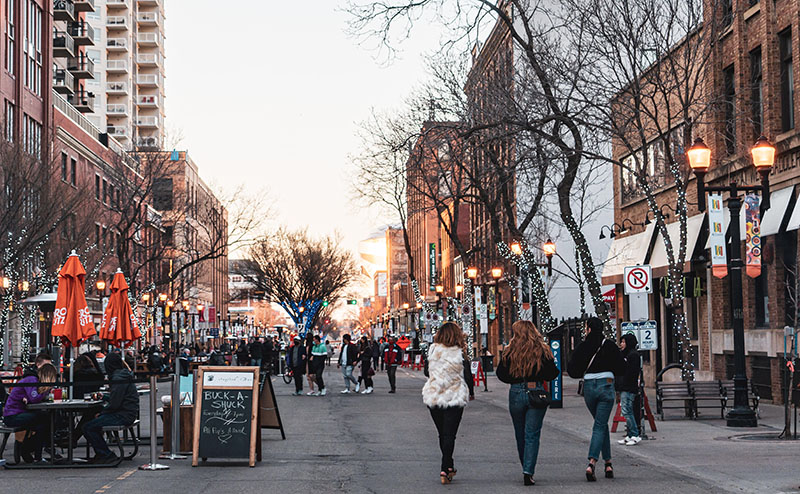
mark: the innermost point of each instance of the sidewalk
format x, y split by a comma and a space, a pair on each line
704, 449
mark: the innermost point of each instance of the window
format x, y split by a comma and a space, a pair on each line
10, 35
727, 12
97, 234
787, 80
9, 117
73, 172
756, 95
105, 191
64, 166
32, 136
729, 103
111, 195
32, 45
97, 187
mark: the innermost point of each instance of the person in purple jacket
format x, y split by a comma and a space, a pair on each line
16, 413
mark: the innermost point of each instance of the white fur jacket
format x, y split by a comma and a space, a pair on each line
446, 386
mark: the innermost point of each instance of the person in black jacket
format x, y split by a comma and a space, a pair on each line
256, 352
598, 362
348, 356
628, 387
296, 359
87, 380
527, 363
121, 408
365, 356
242, 354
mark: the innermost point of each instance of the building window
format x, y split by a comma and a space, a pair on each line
9, 117
97, 187
756, 96
729, 103
64, 166
32, 136
105, 191
787, 80
32, 45
727, 12
73, 172
97, 234
10, 35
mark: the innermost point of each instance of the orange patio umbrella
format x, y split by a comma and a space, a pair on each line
119, 324
71, 319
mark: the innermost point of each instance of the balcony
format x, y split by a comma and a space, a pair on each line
147, 122
117, 88
82, 32
149, 39
64, 10
117, 4
81, 67
83, 101
117, 44
147, 79
84, 5
117, 131
116, 110
63, 45
117, 23
147, 101
149, 2
148, 18
147, 142
117, 66
149, 59
63, 82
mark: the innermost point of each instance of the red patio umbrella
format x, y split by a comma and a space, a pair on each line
119, 324
71, 319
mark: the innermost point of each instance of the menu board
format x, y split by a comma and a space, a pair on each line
225, 411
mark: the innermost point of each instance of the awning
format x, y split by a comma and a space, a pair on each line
626, 251
771, 222
659, 261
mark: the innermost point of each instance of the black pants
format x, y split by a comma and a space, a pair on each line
320, 382
365, 368
375, 361
297, 372
392, 371
447, 421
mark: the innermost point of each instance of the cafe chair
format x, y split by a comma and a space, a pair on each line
113, 432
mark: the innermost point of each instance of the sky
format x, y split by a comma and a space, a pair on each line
271, 98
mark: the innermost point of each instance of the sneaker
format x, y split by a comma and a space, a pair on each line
323, 392
358, 386
297, 393
369, 390
364, 392
315, 393
391, 391
344, 391
624, 440
311, 393
633, 441
109, 460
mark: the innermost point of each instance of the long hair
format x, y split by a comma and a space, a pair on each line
526, 350
450, 334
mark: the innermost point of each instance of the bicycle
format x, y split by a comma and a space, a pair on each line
287, 376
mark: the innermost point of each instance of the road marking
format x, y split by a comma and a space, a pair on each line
121, 477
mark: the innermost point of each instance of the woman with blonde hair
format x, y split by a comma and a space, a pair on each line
447, 390
527, 364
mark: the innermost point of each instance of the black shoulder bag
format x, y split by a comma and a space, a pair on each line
538, 397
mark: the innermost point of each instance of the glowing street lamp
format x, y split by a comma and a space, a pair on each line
497, 273
162, 297
516, 248
472, 273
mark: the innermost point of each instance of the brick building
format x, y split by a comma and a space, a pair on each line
751, 73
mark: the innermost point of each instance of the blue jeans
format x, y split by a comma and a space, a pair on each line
256, 362
599, 396
626, 402
93, 431
347, 372
527, 427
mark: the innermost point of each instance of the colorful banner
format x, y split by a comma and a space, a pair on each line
752, 241
716, 236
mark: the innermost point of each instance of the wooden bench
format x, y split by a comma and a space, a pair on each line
670, 392
114, 431
752, 394
708, 394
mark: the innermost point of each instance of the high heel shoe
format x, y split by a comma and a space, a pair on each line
590, 476
445, 477
609, 470
528, 480
451, 472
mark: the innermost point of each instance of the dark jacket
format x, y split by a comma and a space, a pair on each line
630, 379
216, 358
366, 356
123, 399
547, 372
87, 376
608, 358
296, 358
255, 350
268, 349
242, 355
352, 354
393, 355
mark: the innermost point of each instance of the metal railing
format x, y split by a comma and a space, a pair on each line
147, 38
62, 39
63, 78
147, 79
64, 6
117, 109
117, 43
149, 17
117, 87
147, 121
117, 65
73, 114
148, 58
117, 21
81, 63
147, 100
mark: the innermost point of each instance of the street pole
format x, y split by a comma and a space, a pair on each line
153, 420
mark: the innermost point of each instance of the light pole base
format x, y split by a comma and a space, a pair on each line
170, 456
153, 466
742, 417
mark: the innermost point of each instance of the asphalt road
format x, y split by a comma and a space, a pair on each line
379, 443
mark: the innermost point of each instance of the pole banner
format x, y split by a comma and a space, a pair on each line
753, 238
716, 236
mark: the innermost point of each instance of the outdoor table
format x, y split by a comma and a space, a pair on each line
70, 407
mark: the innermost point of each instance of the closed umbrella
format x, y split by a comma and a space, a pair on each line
119, 324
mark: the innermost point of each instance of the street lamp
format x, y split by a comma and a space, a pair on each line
459, 289
146, 298
497, 273
162, 297
5, 282
472, 273
170, 303
549, 249
699, 156
516, 248
100, 285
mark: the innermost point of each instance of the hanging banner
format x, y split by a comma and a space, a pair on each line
432, 265
753, 238
716, 236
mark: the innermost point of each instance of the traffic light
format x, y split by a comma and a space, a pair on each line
324, 303
352, 301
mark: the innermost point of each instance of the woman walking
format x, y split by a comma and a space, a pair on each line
628, 386
319, 353
598, 361
312, 378
447, 390
365, 355
526, 364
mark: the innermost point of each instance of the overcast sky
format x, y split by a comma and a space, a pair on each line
271, 97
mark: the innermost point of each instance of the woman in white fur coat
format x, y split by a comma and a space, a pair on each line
447, 390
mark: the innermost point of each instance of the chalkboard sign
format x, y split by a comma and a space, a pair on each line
226, 404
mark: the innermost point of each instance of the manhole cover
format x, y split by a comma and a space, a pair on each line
764, 436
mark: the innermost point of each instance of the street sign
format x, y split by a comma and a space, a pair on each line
638, 279
645, 333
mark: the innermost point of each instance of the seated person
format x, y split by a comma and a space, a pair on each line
37, 423
87, 380
121, 408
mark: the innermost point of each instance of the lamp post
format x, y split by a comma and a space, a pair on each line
496, 274
472, 274
699, 156
439, 304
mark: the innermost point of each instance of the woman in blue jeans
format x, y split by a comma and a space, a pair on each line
598, 361
527, 363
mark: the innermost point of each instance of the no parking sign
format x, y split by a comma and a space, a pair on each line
638, 279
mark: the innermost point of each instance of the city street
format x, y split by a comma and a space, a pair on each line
387, 443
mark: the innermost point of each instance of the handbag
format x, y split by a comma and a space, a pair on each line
370, 372
538, 397
580, 383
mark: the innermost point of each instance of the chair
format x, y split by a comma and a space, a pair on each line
114, 430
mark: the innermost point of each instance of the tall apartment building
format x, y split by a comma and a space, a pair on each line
128, 79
